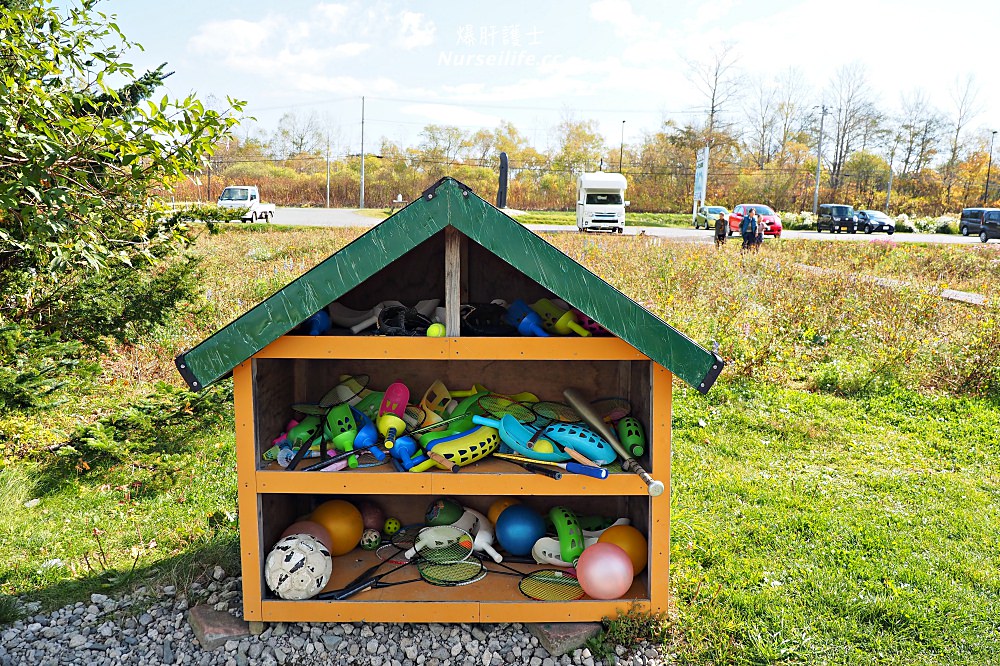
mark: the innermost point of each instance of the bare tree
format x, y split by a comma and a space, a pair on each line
852, 107
761, 117
718, 79
966, 108
790, 109
919, 126
297, 136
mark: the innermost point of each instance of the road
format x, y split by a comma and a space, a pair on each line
347, 217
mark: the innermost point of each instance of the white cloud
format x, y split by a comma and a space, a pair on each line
415, 30
351, 49
619, 14
333, 15
222, 36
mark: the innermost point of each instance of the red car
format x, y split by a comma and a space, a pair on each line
772, 223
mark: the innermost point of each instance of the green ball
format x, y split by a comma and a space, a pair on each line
444, 511
392, 525
436, 331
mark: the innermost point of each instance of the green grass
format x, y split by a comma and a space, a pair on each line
834, 500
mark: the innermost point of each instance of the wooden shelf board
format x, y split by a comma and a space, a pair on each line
320, 347
490, 476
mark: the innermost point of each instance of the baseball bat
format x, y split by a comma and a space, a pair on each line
629, 463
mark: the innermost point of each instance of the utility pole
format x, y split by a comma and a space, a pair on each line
986, 192
362, 153
888, 189
819, 158
621, 152
328, 169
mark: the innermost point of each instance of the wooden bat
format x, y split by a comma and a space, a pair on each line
629, 463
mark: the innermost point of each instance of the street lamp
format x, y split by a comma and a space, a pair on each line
986, 192
621, 153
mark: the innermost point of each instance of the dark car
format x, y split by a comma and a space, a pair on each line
836, 218
971, 222
991, 225
707, 215
875, 220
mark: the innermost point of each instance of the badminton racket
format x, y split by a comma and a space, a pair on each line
551, 585
442, 554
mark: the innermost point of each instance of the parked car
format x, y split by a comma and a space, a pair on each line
875, 220
771, 220
836, 218
707, 215
971, 222
248, 197
991, 225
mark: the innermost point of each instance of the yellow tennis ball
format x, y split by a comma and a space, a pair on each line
543, 446
436, 331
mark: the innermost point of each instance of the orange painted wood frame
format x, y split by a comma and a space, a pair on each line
490, 478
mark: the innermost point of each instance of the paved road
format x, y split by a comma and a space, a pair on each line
348, 217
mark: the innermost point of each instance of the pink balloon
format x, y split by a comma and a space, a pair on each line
605, 571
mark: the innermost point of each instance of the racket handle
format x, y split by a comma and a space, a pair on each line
491, 551
541, 469
441, 460
587, 470
482, 420
351, 590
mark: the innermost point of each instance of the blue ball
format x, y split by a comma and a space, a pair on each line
518, 528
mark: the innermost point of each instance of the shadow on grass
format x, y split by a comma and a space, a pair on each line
196, 563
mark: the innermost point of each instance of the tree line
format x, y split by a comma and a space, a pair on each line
915, 156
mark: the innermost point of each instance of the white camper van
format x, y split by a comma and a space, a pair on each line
600, 202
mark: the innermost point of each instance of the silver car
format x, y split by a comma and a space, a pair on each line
707, 215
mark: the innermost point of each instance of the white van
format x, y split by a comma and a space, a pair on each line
600, 202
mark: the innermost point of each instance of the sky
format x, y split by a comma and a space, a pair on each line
623, 63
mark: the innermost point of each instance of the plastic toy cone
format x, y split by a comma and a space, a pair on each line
526, 320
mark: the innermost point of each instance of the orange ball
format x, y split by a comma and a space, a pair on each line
344, 523
498, 506
631, 541
311, 528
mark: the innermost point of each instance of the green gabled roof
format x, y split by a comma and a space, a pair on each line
448, 203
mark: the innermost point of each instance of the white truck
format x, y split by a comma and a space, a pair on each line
246, 196
600, 202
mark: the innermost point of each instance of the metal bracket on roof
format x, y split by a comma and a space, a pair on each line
713, 373
431, 191
182, 367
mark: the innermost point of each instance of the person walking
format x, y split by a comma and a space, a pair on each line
748, 229
721, 228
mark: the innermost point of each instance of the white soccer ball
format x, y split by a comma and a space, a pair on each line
298, 567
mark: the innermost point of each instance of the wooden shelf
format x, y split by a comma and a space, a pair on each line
490, 476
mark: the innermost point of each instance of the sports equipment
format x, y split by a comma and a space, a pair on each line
442, 554
344, 523
518, 528
550, 585
372, 515
572, 467
390, 421
298, 567
629, 463
444, 511
560, 321
605, 571
436, 331
392, 526
631, 541
311, 528
498, 507
631, 435
370, 539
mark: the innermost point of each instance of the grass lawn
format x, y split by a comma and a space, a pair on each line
835, 498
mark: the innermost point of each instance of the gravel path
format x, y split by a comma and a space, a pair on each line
151, 627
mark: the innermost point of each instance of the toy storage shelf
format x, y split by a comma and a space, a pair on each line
300, 368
